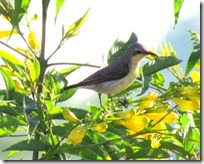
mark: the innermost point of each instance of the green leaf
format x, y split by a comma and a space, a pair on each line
195, 54
59, 4
9, 83
62, 128
159, 63
67, 94
67, 71
6, 9
20, 8
88, 152
8, 121
158, 79
32, 126
146, 83
72, 30
32, 145
174, 148
177, 8
34, 68
11, 58
10, 110
119, 47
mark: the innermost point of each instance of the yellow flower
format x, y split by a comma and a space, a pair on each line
155, 143
100, 127
76, 136
186, 104
32, 40
169, 118
132, 121
195, 76
70, 116
189, 97
148, 102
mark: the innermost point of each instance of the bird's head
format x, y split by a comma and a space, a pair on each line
136, 51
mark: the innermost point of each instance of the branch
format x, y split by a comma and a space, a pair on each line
22, 54
79, 64
21, 34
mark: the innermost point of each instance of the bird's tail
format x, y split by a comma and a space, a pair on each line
71, 86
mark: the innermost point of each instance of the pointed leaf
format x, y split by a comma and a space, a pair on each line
9, 83
76, 25
146, 83
119, 47
20, 8
195, 54
67, 94
32, 145
158, 79
11, 58
177, 8
159, 63
59, 4
8, 121
33, 124
10, 110
5, 33
67, 71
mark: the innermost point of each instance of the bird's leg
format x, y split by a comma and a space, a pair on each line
103, 107
99, 95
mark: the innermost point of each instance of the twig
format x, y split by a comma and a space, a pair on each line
13, 49
21, 34
79, 64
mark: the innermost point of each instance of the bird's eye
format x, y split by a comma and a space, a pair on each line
137, 52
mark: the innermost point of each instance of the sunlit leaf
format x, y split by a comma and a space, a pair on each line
59, 4
34, 69
20, 8
71, 31
5, 33
11, 58
67, 71
67, 94
13, 152
177, 8
9, 83
158, 79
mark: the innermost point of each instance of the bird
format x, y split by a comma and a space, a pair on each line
118, 75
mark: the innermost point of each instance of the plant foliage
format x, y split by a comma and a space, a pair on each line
148, 120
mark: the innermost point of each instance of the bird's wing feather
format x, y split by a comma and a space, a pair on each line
112, 72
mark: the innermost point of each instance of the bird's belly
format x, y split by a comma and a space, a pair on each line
115, 86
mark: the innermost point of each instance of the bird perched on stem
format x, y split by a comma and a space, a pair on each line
118, 75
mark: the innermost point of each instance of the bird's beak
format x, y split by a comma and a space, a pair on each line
152, 54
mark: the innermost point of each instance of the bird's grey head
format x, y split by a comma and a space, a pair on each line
138, 49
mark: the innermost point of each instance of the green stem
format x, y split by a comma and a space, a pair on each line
42, 61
